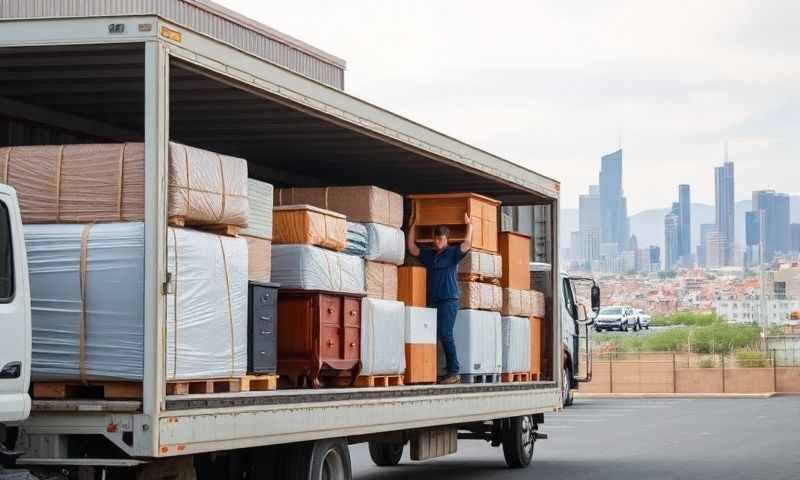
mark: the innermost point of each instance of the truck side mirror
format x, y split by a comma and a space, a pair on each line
595, 298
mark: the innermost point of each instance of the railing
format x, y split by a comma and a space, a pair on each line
681, 372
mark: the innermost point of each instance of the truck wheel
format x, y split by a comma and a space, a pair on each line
385, 454
567, 397
518, 440
321, 460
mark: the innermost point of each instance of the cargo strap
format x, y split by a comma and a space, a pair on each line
58, 183
230, 306
222, 177
87, 229
188, 182
8, 161
121, 178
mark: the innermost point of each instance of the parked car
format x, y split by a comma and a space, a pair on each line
616, 317
644, 319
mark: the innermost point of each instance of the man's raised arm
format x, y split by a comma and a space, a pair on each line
411, 238
466, 245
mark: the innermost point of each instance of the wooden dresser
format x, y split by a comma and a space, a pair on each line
320, 335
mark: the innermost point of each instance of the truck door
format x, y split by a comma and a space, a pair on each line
15, 312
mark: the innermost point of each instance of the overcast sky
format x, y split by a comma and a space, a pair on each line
551, 86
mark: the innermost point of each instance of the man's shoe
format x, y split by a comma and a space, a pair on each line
450, 379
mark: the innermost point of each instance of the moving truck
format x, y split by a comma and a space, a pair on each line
196, 73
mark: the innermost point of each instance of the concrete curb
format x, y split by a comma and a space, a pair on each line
673, 395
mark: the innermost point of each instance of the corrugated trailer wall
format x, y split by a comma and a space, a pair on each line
208, 19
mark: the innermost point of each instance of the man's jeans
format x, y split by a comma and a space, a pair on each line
446, 312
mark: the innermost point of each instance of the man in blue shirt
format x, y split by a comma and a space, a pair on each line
441, 263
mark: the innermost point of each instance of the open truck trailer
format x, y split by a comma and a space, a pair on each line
192, 72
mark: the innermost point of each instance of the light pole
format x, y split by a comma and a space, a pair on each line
762, 278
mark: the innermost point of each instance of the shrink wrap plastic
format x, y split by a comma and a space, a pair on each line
365, 204
357, 239
537, 301
259, 259
480, 296
479, 343
385, 244
516, 344
382, 337
113, 339
105, 183
207, 313
208, 308
483, 264
307, 267
517, 302
259, 198
305, 224
420, 325
381, 280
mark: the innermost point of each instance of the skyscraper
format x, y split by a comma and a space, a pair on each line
702, 250
589, 224
775, 211
615, 226
671, 241
685, 217
725, 211
795, 234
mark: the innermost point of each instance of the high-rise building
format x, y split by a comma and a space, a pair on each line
752, 238
725, 210
717, 250
685, 230
795, 234
774, 209
702, 250
671, 241
615, 226
589, 224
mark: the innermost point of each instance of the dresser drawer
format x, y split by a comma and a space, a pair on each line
352, 311
262, 325
330, 310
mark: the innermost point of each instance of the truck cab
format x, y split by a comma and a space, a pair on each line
576, 320
15, 316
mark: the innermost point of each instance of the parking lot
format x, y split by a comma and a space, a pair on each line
635, 439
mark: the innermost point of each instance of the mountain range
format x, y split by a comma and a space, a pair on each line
648, 225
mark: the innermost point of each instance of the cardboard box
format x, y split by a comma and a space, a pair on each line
515, 252
259, 259
309, 225
449, 209
412, 286
480, 296
364, 204
381, 280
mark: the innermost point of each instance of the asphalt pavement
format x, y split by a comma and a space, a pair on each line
634, 439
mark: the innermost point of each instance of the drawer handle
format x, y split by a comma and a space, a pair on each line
352, 313
262, 353
330, 309
352, 344
266, 318
265, 332
330, 343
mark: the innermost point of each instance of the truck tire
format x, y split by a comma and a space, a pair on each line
518, 441
321, 460
385, 454
567, 396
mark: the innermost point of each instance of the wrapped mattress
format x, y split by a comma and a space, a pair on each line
382, 337
95, 330
480, 296
479, 343
259, 259
483, 265
516, 344
381, 280
365, 204
105, 183
385, 244
517, 302
357, 239
306, 224
259, 220
307, 267
207, 309
112, 344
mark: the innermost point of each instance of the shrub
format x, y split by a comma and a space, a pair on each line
751, 359
706, 362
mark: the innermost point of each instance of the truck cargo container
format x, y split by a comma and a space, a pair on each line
187, 71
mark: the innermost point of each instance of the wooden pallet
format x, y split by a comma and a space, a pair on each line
475, 277
259, 383
515, 377
91, 390
247, 383
379, 381
480, 378
227, 230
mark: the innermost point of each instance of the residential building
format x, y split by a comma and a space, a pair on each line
655, 258
717, 247
748, 309
725, 210
787, 280
671, 241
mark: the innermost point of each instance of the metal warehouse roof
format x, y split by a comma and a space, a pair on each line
202, 16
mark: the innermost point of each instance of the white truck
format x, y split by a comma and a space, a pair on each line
97, 71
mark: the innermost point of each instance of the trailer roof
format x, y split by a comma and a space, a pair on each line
293, 130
